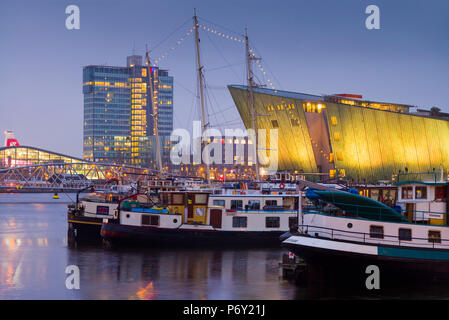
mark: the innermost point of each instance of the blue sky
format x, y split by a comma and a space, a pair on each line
318, 47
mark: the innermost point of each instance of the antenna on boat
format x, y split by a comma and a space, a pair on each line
249, 58
154, 104
200, 78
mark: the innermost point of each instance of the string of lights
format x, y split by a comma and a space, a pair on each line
264, 73
221, 34
173, 48
234, 38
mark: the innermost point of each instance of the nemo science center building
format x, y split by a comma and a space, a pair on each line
343, 136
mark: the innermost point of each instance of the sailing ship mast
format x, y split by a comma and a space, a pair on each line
200, 78
249, 58
155, 113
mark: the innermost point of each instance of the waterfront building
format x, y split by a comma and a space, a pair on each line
346, 137
236, 161
119, 121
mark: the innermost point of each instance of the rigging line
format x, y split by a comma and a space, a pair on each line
186, 89
217, 88
216, 102
191, 109
236, 121
210, 104
221, 111
217, 25
221, 54
226, 66
166, 38
214, 114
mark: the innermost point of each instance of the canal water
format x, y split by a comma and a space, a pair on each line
34, 255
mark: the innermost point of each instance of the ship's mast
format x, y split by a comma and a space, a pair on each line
154, 103
200, 78
249, 58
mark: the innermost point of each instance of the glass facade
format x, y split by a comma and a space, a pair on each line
46, 163
118, 112
364, 141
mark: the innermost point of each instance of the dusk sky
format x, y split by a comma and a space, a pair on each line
317, 47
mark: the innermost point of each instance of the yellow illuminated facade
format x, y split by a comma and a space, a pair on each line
364, 141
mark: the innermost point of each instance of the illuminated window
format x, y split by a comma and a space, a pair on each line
421, 193
339, 156
334, 121
337, 136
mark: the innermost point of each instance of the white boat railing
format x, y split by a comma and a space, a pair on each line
373, 238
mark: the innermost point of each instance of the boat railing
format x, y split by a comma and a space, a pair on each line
355, 210
373, 238
280, 210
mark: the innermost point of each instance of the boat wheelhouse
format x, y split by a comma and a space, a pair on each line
85, 216
344, 230
203, 218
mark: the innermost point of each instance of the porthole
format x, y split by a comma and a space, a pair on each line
175, 220
349, 225
127, 215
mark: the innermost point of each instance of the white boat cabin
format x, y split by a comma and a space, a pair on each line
424, 201
99, 204
223, 212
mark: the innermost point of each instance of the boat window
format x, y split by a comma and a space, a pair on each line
374, 194
165, 199
421, 193
103, 210
376, 232
236, 204
178, 198
271, 202
405, 234
388, 196
292, 221
272, 222
149, 220
201, 198
407, 192
440, 193
239, 222
254, 205
434, 236
220, 203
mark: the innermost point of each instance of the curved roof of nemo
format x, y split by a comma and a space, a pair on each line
280, 93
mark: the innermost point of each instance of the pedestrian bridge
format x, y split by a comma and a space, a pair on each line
24, 168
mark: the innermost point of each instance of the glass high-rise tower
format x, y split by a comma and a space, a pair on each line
119, 126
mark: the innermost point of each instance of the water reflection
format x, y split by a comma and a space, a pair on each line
180, 274
34, 256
